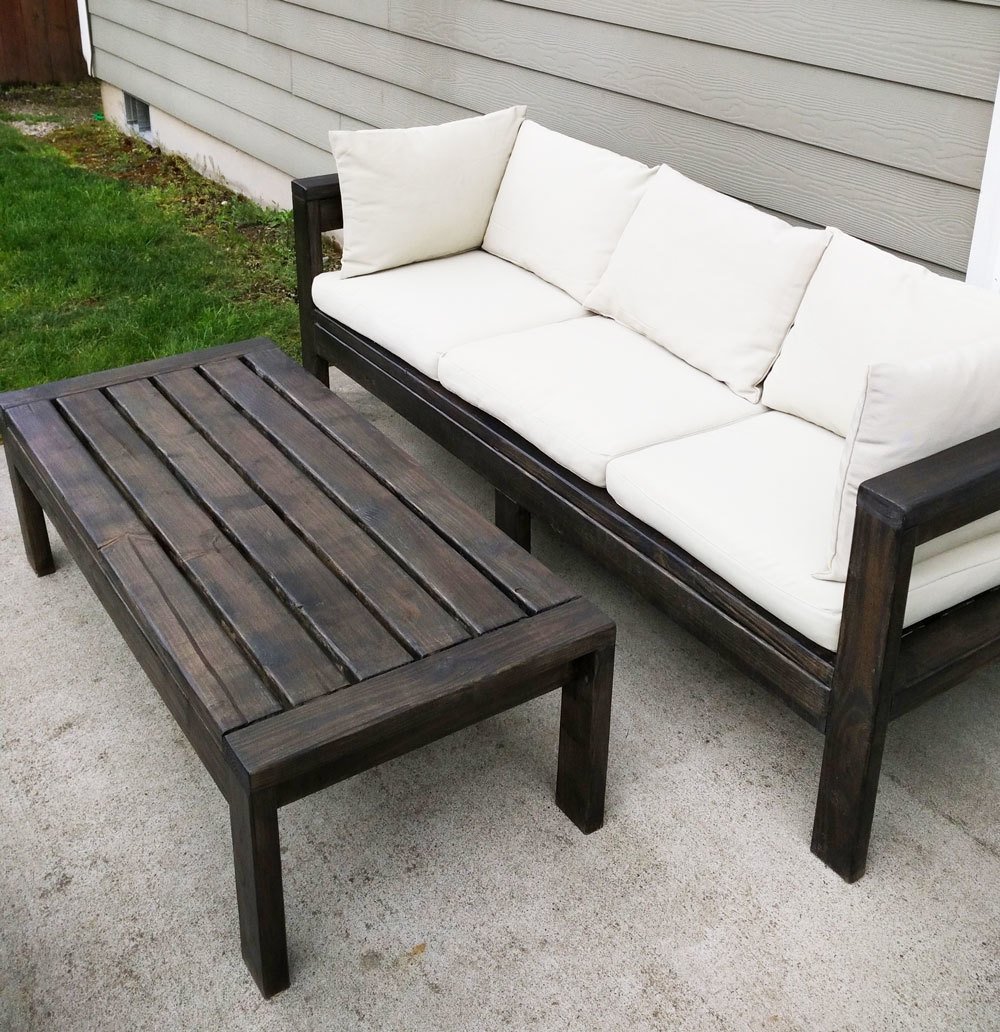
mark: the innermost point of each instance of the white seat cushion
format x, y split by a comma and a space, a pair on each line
588, 390
414, 194
864, 306
419, 312
712, 279
562, 206
752, 502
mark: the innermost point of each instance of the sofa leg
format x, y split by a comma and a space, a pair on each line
861, 695
512, 519
848, 785
314, 363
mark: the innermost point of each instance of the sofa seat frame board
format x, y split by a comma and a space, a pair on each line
879, 670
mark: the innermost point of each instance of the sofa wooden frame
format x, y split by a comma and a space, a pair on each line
878, 672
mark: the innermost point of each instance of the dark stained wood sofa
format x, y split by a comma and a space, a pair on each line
878, 672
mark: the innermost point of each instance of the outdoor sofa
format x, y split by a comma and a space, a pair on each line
783, 436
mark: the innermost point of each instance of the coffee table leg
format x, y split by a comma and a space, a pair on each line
33, 530
258, 889
584, 727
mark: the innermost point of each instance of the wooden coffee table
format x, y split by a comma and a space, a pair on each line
308, 601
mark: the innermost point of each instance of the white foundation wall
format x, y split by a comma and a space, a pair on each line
214, 159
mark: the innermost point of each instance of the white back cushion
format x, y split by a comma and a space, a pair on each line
711, 279
909, 411
863, 307
562, 206
414, 194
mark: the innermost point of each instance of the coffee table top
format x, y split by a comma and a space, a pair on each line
273, 546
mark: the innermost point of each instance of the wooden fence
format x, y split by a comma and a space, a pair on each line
40, 41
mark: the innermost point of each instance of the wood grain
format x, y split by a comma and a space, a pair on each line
783, 659
426, 699
935, 44
40, 42
204, 35
172, 616
911, 213
293, 662
246, 132
340, 542
535, 587
362, 645
936, 134
439, 569
862, 692
247, 573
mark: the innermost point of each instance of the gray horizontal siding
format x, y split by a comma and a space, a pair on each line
873, 117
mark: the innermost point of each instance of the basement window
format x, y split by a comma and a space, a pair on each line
137, 117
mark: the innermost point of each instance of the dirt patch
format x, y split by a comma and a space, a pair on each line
34, 128
50, 106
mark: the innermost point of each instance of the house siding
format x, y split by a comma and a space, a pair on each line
872, 117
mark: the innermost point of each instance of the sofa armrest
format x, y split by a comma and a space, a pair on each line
895, 512
321, 194
935, 495
316, 209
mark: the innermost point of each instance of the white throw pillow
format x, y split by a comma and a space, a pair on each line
414, 194
562, 206
908, 411
863, 307
711, 279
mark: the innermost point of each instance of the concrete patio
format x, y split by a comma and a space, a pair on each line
445, 891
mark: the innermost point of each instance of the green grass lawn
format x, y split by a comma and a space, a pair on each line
97, 272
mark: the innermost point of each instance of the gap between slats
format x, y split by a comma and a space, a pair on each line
373, 471
509, 597
168, 442
233, 632
407, 631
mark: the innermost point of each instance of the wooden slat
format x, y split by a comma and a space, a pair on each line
334, 614
465, 591
291, 660
936, 44
203, 35
936, 134
244, 131
535, 586
946, 649
373, 575
106, 377
270, 104
166, 608
226, 12
915, 214
423, 701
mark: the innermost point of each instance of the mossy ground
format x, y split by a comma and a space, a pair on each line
112, 252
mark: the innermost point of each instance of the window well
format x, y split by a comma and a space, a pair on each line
137, 115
